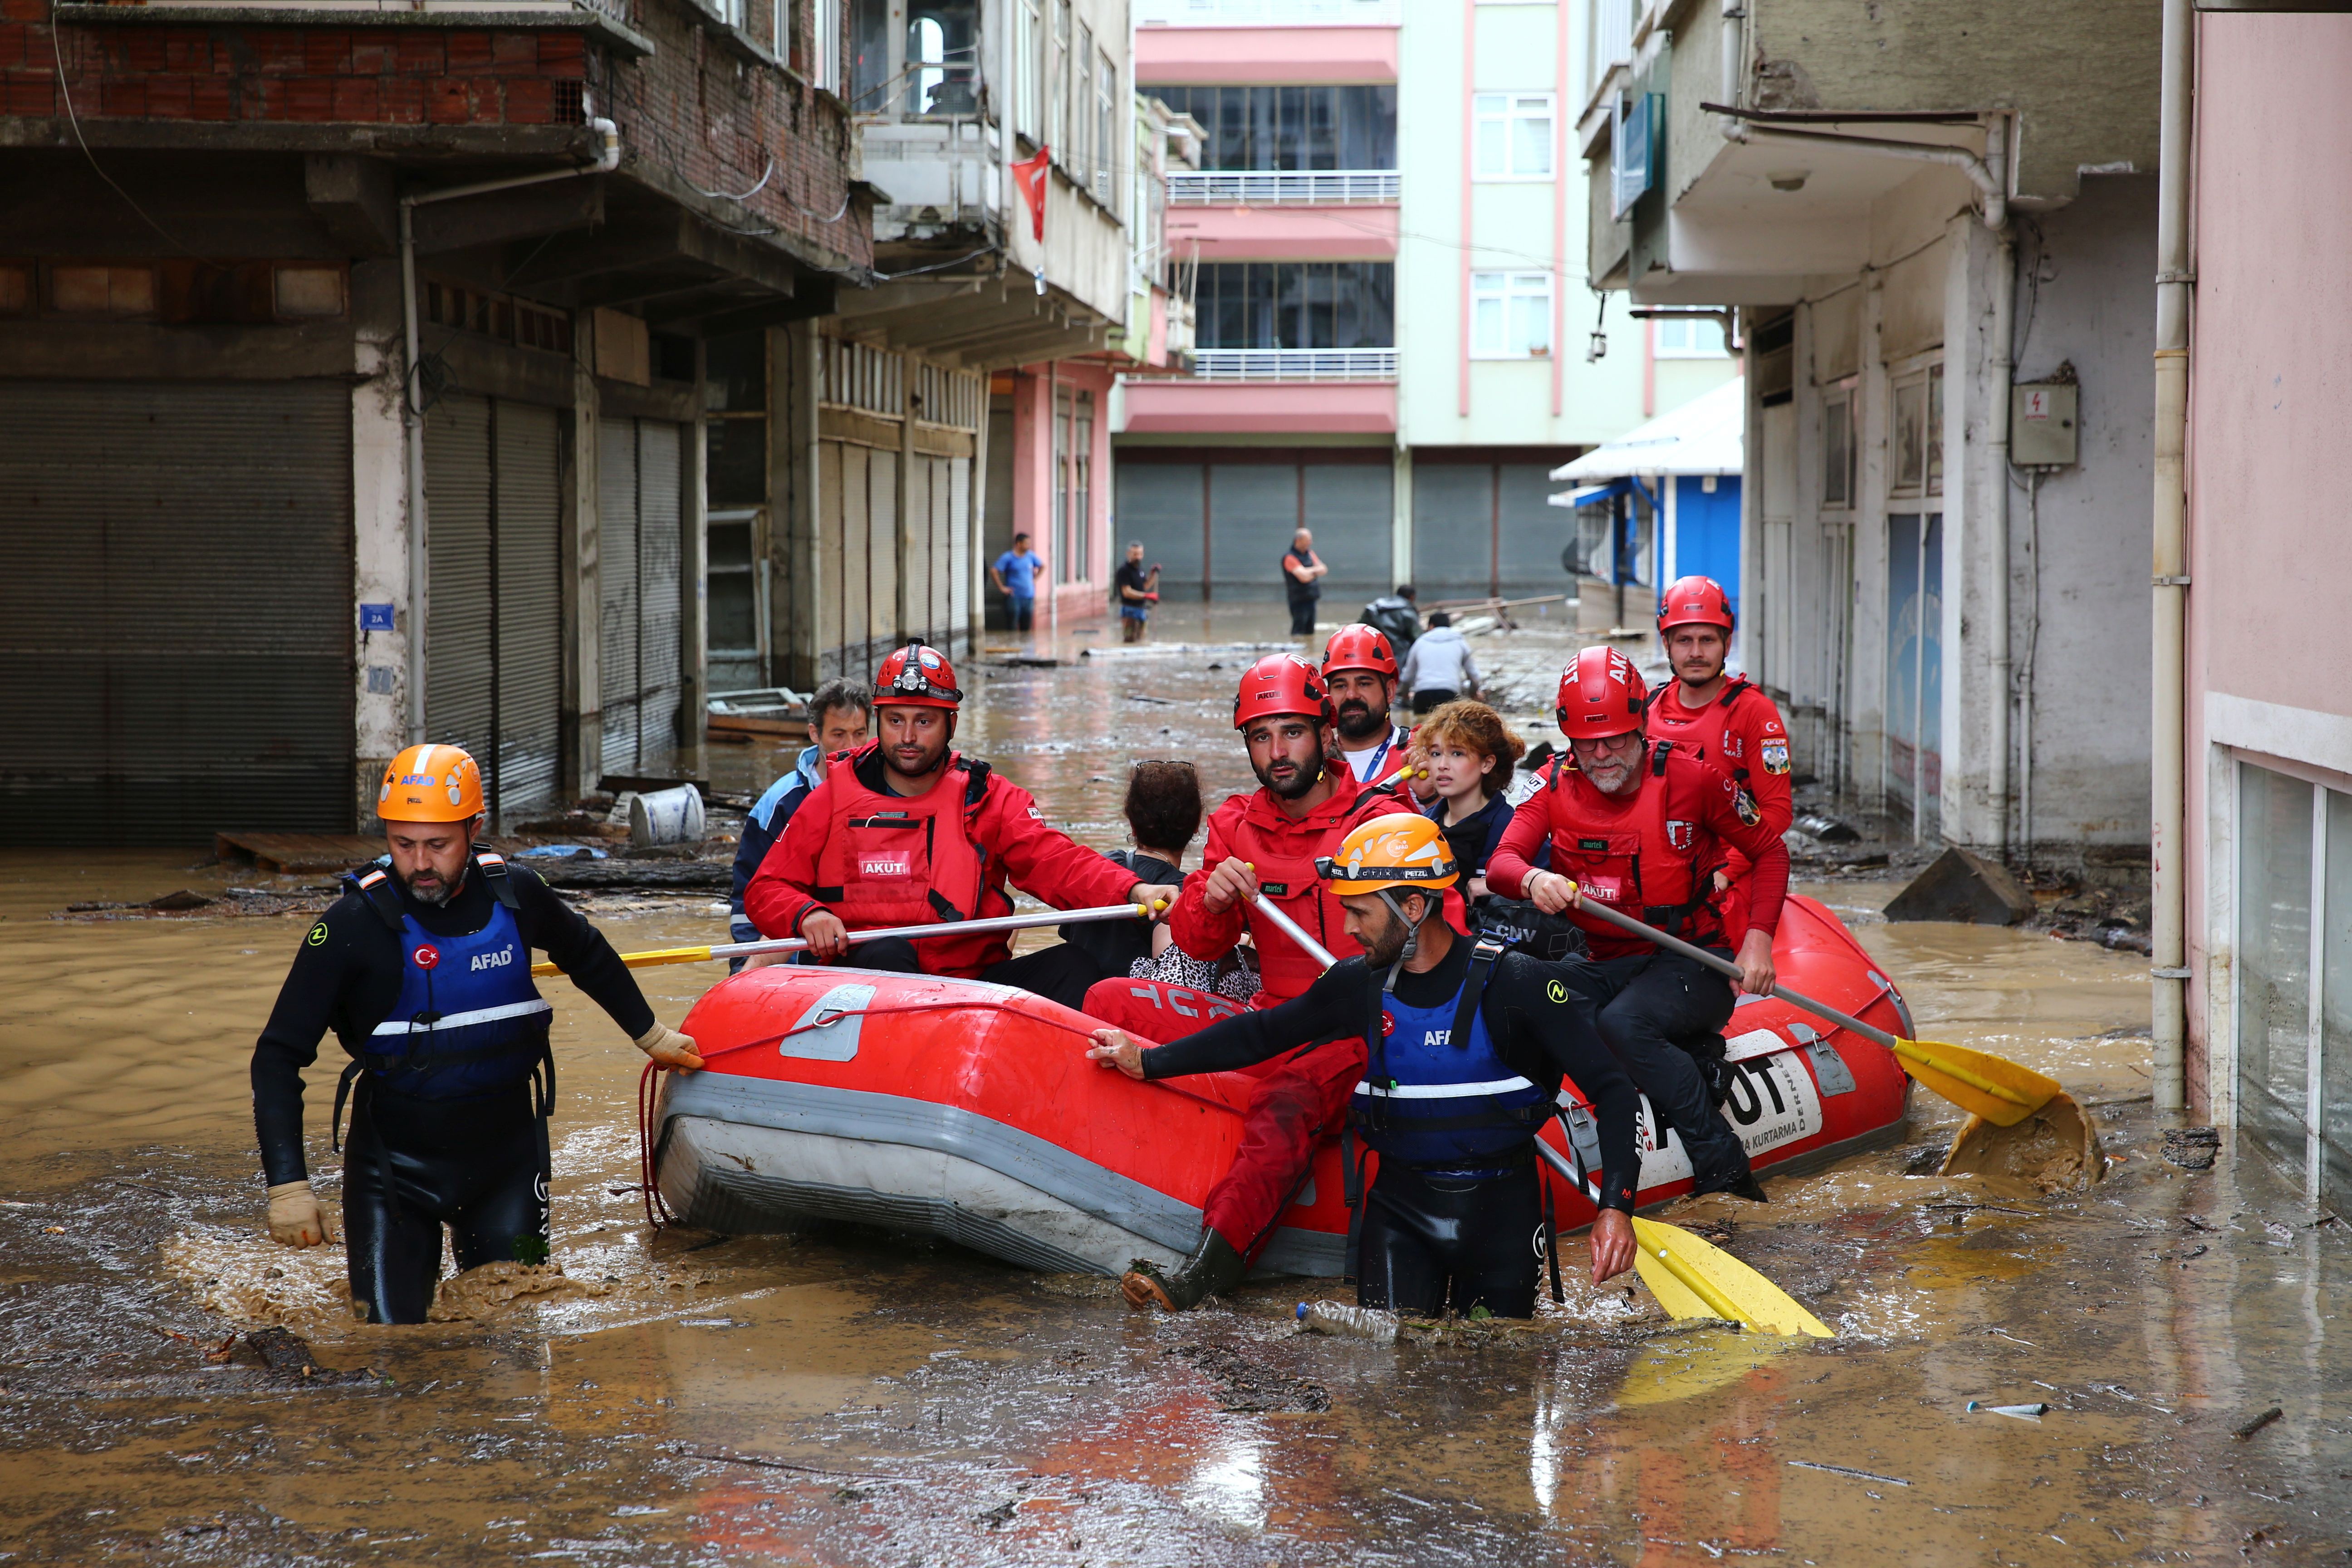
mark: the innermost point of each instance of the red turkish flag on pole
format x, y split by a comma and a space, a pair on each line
1031, 173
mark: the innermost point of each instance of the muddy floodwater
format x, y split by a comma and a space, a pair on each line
847, 1397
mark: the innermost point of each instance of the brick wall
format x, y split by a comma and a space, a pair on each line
697, 110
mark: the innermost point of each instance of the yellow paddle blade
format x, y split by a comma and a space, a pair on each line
1694, 1280
1993, 1086
646, 960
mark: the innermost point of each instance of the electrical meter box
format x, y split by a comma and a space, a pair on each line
2042, 424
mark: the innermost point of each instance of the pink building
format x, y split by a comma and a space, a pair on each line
2254, 732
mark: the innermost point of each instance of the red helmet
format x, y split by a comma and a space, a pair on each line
1601, 695
1280, 683
1696, 602
916, 676
1359, 646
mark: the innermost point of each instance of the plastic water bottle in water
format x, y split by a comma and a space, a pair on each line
1355, 1322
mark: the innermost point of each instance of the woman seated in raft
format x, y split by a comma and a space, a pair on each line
1163, 817
1469, 753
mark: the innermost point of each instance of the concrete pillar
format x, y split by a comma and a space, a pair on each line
1976, 479
379, 562
1866, 683
796, 621
694, 583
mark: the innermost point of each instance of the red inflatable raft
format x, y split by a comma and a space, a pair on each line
969, 1112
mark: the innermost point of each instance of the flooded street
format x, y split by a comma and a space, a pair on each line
846, 1397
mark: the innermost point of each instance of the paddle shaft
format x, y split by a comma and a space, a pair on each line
950, 928
1675, 946
1904, 1049
1293, 929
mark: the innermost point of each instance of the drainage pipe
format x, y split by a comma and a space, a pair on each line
412, 417
2167, 761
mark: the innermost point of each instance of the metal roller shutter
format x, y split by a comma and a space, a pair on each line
528, 452
616, 558
175, 610
460, 707
493, 628
1348, 507
1453, 530
1159, 503
661, 620
1533, 533
1253, 512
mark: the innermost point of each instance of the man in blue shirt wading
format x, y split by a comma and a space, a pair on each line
837, 718
1016, 578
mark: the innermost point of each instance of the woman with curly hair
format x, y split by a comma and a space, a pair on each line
1469, 753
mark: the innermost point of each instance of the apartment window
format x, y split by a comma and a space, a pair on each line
2295, 994
1284, 128
1918, 434
729, 12
1837, 451
943, 57
1686, 337
871, 88
1081, 159
103, 290
1511, 134
1062, 130
1510, 315
1296, 305
1106, 136
1933, 437
1028, 33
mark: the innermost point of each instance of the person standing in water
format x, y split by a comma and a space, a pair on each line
423, 969
1302, 580
1139, 590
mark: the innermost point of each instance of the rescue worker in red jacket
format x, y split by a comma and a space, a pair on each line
1360, 670
1268, 843
1641, 825
1723, 717
905, 831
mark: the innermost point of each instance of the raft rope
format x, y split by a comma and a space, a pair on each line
657, 1210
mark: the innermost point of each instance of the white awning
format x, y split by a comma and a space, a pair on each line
1705, 435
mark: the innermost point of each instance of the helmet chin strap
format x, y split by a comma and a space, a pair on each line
1411, 938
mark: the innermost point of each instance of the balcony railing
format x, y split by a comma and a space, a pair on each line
1295, 364
1268, 13
1282, 187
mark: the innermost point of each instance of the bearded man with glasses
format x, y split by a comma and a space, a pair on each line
1642, 826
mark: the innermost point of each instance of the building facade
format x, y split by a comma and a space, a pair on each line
354, 371
1937, 246
1380, 241
2253, 739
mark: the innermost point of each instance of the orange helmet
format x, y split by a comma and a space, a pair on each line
916, 676
1403, 850
430, 784
1359, 646
1696, 602
1280, 683
1601, 695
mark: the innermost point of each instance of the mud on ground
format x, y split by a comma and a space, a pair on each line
845, 1397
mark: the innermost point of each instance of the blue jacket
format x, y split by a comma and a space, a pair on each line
770, 814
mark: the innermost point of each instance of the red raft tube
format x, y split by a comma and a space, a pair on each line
969, 1112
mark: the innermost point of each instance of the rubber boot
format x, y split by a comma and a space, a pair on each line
1214, 1268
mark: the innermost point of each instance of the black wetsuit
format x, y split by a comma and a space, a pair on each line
1430, 1239
462, 1144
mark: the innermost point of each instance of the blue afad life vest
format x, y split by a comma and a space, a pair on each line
469, 1020
1436, 1096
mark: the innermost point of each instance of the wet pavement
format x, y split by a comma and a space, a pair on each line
846, 1397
